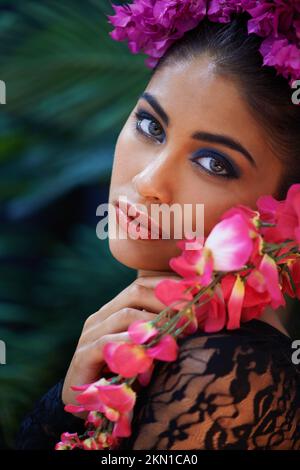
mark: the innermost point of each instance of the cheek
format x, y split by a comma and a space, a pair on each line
215, 198
126, 157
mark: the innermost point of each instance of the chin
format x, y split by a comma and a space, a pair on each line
142, 257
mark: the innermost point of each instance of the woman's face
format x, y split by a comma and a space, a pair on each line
193, 142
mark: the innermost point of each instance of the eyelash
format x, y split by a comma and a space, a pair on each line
233, 172
139, 116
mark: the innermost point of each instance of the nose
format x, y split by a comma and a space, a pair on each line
155, 180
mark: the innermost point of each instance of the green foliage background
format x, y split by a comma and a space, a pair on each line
70, 88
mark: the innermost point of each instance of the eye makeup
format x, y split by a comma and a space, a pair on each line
213, 161
227, 167
141, 115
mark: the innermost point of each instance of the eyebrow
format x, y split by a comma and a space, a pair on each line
199, 135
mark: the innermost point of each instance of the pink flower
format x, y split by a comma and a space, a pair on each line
99, 442
126, 359
266, 278
130, 360
122, 427
250, 217
190, 318
92, 444
228, 247
165, 350
196, 266
268, 206
141, 331
230, 244
254, 302
235, 303
145, 377
94, 417
89, 398
169, 291
285, 214
211, 316
294, 275
68, 441
115, 401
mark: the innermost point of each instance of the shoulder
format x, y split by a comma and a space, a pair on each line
255, 347
221, 390
230, 354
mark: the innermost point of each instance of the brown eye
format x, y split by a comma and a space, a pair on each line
215, 163
216, 166
148, 126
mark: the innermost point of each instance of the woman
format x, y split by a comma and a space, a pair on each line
214, 126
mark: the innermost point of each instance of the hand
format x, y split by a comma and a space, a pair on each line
110, 323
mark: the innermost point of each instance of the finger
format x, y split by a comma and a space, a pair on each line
95, 350
140, 294
116, 323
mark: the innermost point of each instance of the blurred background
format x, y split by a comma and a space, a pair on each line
70, 88
65, 107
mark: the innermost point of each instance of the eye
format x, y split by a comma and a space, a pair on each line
215, 163
148, 126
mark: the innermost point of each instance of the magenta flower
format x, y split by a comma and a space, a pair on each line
273, 18
221, 11
282, 55
152, 26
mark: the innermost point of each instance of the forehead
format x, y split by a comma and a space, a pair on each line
196, 97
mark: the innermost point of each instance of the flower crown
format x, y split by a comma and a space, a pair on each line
152, 26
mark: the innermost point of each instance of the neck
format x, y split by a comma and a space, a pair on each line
147, 273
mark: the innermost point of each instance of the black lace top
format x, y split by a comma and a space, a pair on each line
234, 389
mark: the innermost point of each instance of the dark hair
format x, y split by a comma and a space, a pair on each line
235, 53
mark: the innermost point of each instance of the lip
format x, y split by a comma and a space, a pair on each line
144, 220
